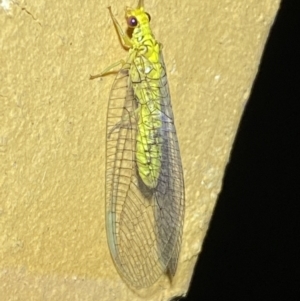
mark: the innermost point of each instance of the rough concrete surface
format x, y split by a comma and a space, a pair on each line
52, 133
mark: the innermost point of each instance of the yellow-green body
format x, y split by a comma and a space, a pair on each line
144, 178
145, 73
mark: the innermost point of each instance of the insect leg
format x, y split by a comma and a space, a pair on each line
124, 38
109, 68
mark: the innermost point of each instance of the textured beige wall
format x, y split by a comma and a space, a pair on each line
52, 133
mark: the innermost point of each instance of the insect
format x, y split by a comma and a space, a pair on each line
144, 178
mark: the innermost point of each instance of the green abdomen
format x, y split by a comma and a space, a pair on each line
148, 145
145, 74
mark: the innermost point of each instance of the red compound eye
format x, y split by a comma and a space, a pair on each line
132, 22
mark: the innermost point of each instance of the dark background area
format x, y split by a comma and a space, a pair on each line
251, 251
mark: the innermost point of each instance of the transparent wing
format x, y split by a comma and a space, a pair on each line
169, 194
144, 226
